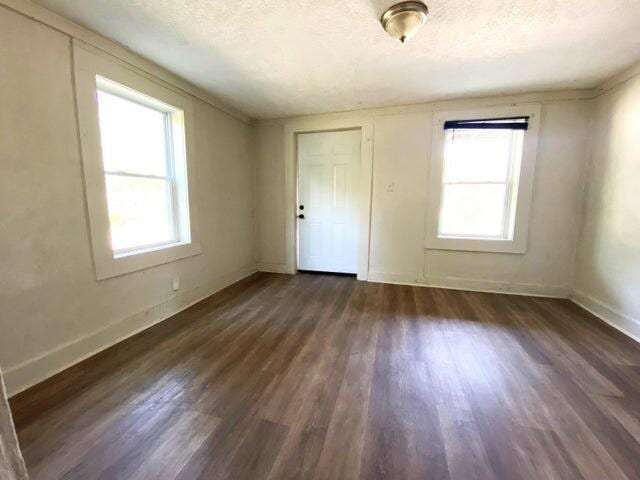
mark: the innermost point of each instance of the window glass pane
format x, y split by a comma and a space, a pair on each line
139, 211
134, 137
478, 155
473, 210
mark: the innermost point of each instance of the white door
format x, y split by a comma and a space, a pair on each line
328, 179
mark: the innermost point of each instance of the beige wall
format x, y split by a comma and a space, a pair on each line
270, 215
402, 147
52, 310
608, 259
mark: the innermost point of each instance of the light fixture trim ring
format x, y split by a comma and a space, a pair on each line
403, 7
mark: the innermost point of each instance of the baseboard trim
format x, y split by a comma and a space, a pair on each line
624, 323
485, 286
26, 374
271, 267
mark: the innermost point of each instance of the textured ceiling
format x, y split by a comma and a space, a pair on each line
273, 58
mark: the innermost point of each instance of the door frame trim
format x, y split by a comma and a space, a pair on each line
315, 125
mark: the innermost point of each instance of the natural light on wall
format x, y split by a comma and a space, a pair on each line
142, 156
479, 185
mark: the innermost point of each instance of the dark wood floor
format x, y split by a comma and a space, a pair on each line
321, 377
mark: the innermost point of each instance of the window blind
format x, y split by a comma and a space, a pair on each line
508, 123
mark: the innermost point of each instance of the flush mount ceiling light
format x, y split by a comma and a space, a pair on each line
403, 20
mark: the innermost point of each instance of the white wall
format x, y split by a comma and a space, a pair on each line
402, 147
608, 260
52, 310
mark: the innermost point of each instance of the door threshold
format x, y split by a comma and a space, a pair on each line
337, 274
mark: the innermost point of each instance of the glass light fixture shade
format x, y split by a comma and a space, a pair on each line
403, 20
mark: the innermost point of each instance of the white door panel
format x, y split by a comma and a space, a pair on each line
328, 178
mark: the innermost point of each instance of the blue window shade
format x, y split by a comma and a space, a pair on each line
509, 123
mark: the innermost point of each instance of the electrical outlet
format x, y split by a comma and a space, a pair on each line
175, 284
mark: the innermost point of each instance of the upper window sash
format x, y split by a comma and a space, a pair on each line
119, 90
167, 111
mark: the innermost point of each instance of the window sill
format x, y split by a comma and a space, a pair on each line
154, 248
108, 266
476, 245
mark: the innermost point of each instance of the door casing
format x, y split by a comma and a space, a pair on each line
291, 131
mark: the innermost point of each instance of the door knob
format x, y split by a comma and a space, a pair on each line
301, 216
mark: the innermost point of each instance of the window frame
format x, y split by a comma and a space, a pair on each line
173, 120
525, 177
91, 65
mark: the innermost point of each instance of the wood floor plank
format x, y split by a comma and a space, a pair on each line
255, 455
324, 377
404, 439
177, 445
300, 453
618, 442
465, 452
342, 452
485, 387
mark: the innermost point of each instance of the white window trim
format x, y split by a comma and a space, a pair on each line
518, 244
89, 63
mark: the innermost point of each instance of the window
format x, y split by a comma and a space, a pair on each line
480, 180
142, 158
478, 199
137, 148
